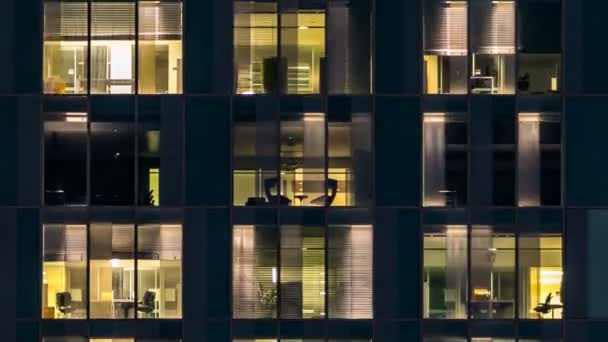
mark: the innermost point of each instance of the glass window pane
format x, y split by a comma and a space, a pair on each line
444, 339
255, 156
64, 68
159, 271
539, 159
303, 160
302, 274
540, 276
64, 339
492, 273
349, 153
255, 47
112, 340
64, 272
350, 272
148, 158
445, 272
493, 46
112, 160
160, 47
254, 271
445, 47
112, 271
444, 159
112, 47
504, 156
349, 46
303, 48
65, 157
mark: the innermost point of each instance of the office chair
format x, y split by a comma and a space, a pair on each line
64, 302
327, 200
147, 304
544, 308
270, 184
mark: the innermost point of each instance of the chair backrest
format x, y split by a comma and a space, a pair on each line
63, 299
149, 297
548, 299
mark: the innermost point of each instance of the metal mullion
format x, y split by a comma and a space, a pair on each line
136, 269
89, 60
136, 41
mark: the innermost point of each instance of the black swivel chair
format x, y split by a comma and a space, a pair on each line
147, 305
328, 199
63, 301
269, 185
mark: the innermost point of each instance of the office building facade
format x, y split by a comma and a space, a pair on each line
303, 171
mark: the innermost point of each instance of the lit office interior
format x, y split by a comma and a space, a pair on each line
445, 155
324, 159
445, 47
492, 273
64, 272
300, 272
122, 280
492, 276
112, 47
284, 51
539, 159
109, 142
445, 265
64, 68
539, 46
492, 46
298, 340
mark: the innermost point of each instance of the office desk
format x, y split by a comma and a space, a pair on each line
125, 304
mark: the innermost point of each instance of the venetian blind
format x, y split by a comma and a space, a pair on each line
445, 28
350, 272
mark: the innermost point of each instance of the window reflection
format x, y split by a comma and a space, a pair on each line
64, 277
112, 47
445, 272
540, 276
445, 47
444, 159
160, 47
64, 69
148, 164
112, 271
65, 157
493, 46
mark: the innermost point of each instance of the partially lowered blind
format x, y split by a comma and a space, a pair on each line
350, 272
113, 19
445, 28
65, 20
254, 271
65, 243
160, 20
493, 26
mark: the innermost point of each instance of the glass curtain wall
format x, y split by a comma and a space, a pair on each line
540, 275
445, 267
445, 47
492, 273
64, 272
539, 159
65, 52
113, 47
65, 158
492, 46
539, 46
160, 47
112, 34
159, 271
445, 153
302, 270
112, 271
